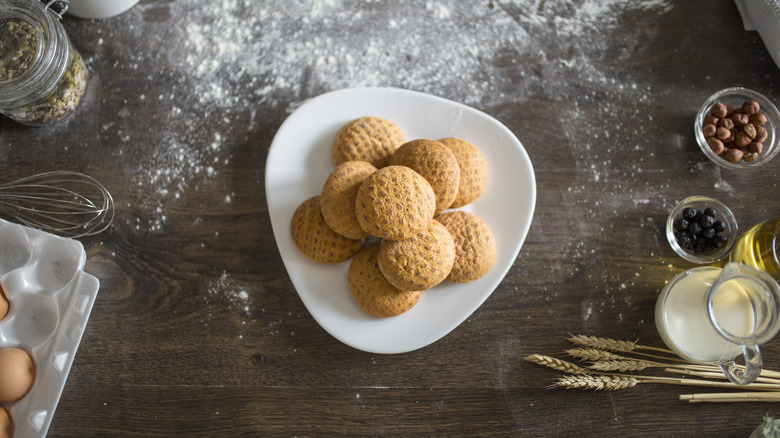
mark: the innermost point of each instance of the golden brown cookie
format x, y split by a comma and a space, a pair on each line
371, 139
338, 197
371, 290
419, 262
475, 246
473, 170
436, 163
394, 203
315, 239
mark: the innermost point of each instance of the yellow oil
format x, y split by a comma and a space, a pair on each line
759, 247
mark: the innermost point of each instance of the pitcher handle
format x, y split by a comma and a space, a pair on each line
746, 374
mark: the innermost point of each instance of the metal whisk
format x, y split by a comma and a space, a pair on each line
68, 204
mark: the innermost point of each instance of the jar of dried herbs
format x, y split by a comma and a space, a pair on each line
42, 76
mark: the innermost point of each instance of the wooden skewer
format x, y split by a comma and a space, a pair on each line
732, 397
764, 373
716, 375
695, 382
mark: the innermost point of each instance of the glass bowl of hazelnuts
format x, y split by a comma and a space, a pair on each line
701, 229
737, 128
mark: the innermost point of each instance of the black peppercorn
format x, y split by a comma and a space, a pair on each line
698, 231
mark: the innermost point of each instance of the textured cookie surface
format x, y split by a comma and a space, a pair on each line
338, 197
369, 138
473, 170
371, 290
394, 203
315, 239
419, 262
475, 246
436, 163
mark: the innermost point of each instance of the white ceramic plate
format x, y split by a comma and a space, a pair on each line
299, 162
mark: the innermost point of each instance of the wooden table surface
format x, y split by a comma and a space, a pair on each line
197, 329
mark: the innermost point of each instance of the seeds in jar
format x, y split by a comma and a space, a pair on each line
61, 100
736, 134
18, 47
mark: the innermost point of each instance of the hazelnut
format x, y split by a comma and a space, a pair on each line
758, 119
736, 134
761, 134
742, 139
756, 148
726, 123
750, 130
739, 119
734, 155
719, 110
750, 107
716, 145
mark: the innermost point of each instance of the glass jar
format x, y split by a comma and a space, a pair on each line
42, 76
759, 247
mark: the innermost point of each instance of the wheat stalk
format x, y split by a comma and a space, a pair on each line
628, 365
592, 354
625, 365
601, 375
599, 383
613, 382
611, 344
556, 364
595, 355
602, 343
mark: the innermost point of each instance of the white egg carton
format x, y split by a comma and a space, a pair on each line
50, 299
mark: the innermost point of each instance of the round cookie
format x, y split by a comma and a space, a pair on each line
419, 262
315, 239
436, 164
6, 425
473, 170
371, 290
371, 139
338, 197
4, 305
475, 245
394, 203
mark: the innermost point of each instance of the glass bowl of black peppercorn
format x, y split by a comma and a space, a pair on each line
737, 128
701, 229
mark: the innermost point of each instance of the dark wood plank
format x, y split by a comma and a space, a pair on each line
197, 329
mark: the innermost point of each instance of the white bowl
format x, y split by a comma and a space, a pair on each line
299, 162
99, 8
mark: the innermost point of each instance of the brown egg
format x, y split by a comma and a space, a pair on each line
6, 427
3, 306
17, 372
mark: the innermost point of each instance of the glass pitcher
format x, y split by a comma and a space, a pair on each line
712, 315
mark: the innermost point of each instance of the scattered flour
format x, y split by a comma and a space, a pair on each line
231, 63
238, 299
229, 59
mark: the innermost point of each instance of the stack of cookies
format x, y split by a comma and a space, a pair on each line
388, 204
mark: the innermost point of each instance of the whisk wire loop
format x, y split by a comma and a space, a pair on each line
65, 203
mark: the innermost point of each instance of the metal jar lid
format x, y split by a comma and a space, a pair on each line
57, 7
